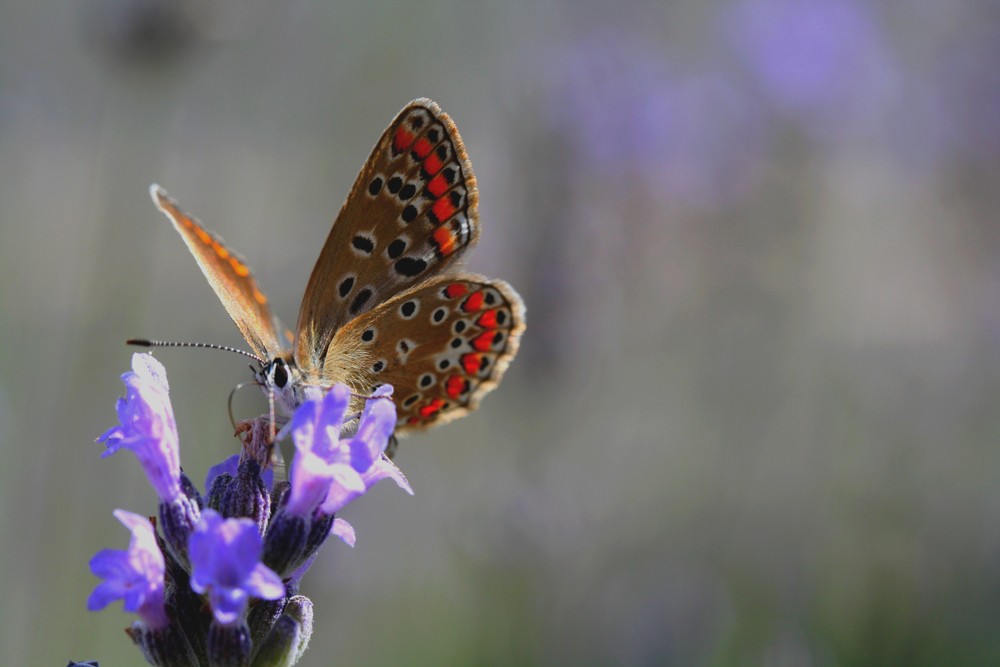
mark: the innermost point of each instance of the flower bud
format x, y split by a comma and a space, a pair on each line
229, 645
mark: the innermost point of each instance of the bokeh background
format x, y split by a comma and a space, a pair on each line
754, 419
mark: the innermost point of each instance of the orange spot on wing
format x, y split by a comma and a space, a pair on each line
203, 236
455, 290
220, 250
445, 240
259, 296
241, 269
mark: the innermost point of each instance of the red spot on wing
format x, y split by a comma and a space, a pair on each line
456, 386
412, 421
445, 240
402, 140
455, 290
437, 186
443, 209
488, 320
432, 408
433, 164
471, 362
473, 303
483, 341
422, 147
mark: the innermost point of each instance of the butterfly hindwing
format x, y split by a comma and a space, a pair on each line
411, 213
231, 279
443, 345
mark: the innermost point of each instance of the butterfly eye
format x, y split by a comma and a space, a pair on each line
279, 374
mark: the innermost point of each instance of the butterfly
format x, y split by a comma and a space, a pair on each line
383, 303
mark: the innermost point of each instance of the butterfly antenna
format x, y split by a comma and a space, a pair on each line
145, 342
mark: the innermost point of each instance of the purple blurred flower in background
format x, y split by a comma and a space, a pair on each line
134, 575
225, 563
924, 95
631, 116
146, 426
969, 88
822, 61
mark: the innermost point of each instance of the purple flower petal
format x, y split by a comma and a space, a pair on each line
311, 477
134, 575
378, 420
344, 531
228, 466
146, 426
328, 472
225, 563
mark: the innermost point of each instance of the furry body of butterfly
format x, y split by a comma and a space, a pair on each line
382, 304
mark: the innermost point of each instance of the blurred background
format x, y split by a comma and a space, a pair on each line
754, 417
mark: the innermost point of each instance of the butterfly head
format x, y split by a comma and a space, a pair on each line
281, 379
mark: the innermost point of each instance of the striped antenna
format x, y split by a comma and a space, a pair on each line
145, 342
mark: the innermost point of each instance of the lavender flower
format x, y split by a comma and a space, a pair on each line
344, 531
319, 461
134, 575
328, 472
367, 451
199, 556
231, 466
225, 563
146, 426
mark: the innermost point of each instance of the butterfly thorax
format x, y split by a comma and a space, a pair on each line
287, 381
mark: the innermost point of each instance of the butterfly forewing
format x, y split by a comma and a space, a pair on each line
231, 279
443, 345
412, 212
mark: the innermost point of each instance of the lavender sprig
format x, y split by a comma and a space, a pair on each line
215, 581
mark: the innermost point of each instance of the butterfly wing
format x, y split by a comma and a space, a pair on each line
412, 212
443, 345
231, 279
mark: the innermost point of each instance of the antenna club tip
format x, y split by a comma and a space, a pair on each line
141, 342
